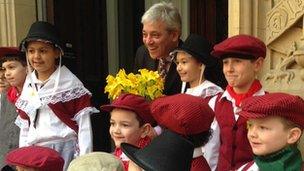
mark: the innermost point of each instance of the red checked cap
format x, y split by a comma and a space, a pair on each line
182, 113
9, 51
240, 46
274, 104
36, 157
135, 103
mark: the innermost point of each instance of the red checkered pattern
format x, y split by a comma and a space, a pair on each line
274, 104
41, 158
135, 103
9, 51
182, 113
240, 46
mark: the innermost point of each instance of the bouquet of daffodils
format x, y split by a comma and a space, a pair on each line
147, 83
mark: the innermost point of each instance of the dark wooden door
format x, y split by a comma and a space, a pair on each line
82, 24
209, 18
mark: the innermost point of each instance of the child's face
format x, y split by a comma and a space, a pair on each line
188, 68
3, 83
15, 73
267, 135
42, 57
240, 73
124, 127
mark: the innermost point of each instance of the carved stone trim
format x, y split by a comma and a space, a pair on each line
282, 17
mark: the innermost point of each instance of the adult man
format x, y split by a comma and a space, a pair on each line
161, 33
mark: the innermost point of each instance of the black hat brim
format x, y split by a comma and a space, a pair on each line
130, 151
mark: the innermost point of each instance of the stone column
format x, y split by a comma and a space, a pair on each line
15, 18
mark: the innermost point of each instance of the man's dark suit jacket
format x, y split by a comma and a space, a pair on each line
143, 60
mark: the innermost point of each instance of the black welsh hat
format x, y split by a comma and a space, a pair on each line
168, 151
199, 48
42, 31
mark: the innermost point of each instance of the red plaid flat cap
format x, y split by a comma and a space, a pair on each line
274, 104
135, 103
36, 157
9, 51
182, 113
240, 46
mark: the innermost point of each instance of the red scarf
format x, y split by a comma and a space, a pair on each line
12, 95
255, 87
118, 153
141, 144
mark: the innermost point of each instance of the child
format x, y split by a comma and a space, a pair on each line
35, 158
13, 66
54, 99
131, 122
168, 151
98, 161
4, 85
243, 57
189, 116
275, 124
200, 70
197, 67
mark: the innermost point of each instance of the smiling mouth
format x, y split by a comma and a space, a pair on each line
152, 49
255, 144
118, 138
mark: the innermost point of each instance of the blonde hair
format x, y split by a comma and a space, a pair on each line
289, 124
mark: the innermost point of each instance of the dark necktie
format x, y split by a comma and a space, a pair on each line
162, 69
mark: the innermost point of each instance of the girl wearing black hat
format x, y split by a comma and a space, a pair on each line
201, 71
55, 100
198, 68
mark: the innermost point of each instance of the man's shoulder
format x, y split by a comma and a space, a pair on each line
143, 59
142, 51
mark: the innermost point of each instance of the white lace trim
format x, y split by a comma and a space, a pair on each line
64, 96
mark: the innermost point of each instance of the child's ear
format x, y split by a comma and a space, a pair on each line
294, 135
58, 53
146, 130
258, 64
